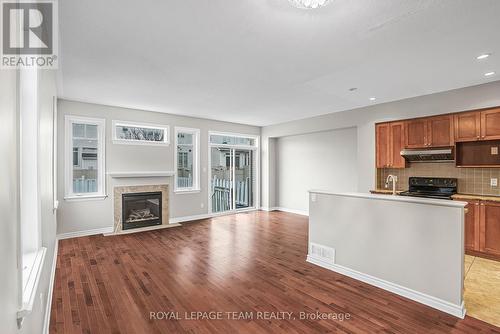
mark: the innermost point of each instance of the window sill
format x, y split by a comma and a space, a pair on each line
29, 291
85, 198
187, 191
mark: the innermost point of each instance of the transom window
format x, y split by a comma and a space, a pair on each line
187, 157
222, 139
85, 140
140, 133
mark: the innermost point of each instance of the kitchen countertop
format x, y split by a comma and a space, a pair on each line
389, 197
456, 196
384, 191
476, 197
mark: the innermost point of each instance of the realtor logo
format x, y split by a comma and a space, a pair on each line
29, 36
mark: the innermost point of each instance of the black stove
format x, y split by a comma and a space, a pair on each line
431, 187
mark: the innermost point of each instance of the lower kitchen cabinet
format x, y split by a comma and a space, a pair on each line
482, 228
490, 228
472, 226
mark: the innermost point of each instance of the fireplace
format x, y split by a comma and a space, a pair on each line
141, 209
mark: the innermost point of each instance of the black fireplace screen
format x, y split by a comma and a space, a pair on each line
141, 210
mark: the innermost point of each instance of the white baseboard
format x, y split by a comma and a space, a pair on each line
85, 233
297, 212
48, 307
442, 305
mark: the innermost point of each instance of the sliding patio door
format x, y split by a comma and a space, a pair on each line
232, 173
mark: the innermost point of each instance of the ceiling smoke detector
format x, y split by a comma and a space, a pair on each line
309, 4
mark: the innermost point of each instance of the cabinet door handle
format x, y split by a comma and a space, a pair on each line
466, 210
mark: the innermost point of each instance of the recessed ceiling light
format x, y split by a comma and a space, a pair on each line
489, 74
373, 98
483, 56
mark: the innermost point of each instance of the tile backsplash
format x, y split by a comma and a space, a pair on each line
470, 180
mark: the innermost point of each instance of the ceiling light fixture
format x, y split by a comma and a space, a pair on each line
373, 98
309, 4
489, 74
483, 56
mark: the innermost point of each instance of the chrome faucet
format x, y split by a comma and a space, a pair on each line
394, 180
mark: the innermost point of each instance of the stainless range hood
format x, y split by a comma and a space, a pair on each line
429, 155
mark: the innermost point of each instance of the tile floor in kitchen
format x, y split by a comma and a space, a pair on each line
482, 289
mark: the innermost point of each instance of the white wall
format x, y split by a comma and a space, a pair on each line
9, 202
321, 160
78, 216
364, 119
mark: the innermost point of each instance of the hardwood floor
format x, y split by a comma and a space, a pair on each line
250, 262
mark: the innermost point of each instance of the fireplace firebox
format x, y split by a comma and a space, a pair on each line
141, 210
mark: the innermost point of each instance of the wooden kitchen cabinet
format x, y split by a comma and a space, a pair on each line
430, 132
472, 228
389, 143
490, 124
489, 238
416, 133
468, 126
477, 125
440, 131
397, 143
383, 136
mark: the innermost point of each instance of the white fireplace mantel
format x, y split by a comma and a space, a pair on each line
122, 175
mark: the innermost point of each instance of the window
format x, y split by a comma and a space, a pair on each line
85, 142
187, 157
234, 140
31, 252
140, 133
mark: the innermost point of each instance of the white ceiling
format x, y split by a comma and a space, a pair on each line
263, 62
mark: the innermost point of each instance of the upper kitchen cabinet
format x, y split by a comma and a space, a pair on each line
477, 125
490, 124
440, 131
383, 145
389, 143
429, 132
397, 144
467, 126
416, 133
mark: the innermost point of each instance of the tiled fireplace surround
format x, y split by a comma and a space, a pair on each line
118, 191
474, 181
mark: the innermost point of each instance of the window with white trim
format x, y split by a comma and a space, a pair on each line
187, 159
140, 133
85, 168
32, 254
